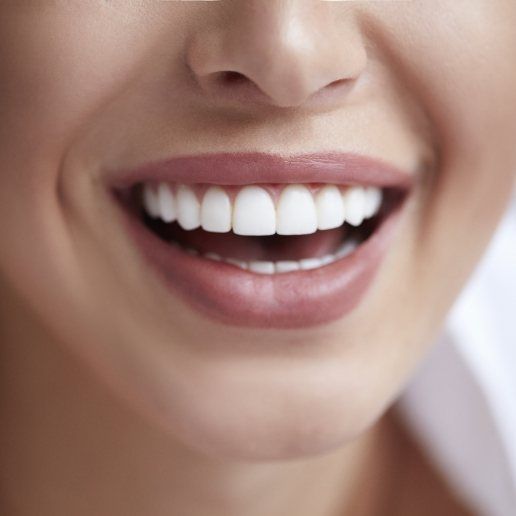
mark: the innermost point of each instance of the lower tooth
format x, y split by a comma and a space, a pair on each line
287, 266
213, 256
237, 263
346, 249
262, 267
310, 263
329, 258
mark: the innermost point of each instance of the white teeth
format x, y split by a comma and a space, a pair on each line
329, 258
254, 212
310, 263
373, 201
167, 203
151, 201
296, 211
188, 208
287, 266
237, 263
262, 267
355, 203
346, 249
330, 208
281, 267
216, 211
213, 256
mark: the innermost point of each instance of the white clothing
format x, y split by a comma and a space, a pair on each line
461, 404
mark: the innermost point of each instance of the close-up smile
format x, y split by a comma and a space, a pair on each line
265, 241
256, 258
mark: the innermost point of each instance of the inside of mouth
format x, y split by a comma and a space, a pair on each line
275, 248
272, 248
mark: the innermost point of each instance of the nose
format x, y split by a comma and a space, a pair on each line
284, 53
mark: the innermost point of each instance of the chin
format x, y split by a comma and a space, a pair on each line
267, 416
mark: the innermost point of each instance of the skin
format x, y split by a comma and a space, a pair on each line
116, 398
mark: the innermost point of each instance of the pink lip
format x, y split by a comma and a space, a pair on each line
241, 298
257, 167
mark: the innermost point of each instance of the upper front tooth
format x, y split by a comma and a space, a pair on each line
354, 205
296, 211
254, 212
188, 208
167, 203
330, 208
216, 211
151, 201
373, 201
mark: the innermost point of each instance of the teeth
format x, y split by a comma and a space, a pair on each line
216, 211
310, 263
330, 208
281, 267
373, 201
262, 267
188, 208
237, 263
151, 201
167, 203
287, 266
296, 211
213, 256
254, 212
355, 204
346, 249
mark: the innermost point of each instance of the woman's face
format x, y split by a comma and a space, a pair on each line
91, 90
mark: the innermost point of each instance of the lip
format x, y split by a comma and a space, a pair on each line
237, 297
257, 167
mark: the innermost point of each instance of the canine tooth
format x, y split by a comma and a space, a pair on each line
254, 212
296, 213
310, 263
237, 263
151, 201
373, 201
213, 256
188, 208
167, 203
262, 267
330, 208
216, 211
355, 203
286, 266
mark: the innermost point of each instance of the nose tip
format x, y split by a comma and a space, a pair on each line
281, 57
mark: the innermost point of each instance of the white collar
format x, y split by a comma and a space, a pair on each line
461, 404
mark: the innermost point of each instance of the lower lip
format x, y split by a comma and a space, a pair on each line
293, 300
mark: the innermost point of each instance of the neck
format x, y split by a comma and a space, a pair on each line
70, 447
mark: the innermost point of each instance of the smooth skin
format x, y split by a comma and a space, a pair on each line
117, 398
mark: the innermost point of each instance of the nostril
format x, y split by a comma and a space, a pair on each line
232, 78
338, 82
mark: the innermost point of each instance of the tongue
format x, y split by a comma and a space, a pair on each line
268, 248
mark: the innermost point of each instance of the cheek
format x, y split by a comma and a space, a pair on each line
468, 87
58, 70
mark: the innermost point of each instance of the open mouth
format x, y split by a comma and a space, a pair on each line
265, 245
263, 229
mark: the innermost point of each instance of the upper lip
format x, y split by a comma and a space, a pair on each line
258, 167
